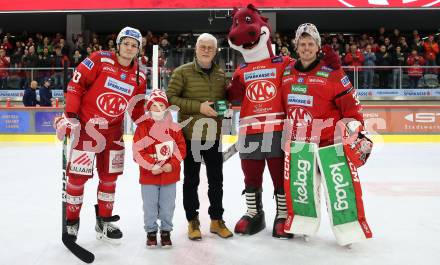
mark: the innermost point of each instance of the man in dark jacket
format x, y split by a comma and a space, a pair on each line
383, 58
46, 93
30, 95
194, 87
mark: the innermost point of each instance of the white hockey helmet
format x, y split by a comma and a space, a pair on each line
309, 29
130, 33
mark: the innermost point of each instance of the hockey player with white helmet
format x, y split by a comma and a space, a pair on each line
102, 88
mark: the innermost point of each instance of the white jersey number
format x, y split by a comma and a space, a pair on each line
76, 76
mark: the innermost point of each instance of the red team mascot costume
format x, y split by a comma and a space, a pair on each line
99, 93
257, 85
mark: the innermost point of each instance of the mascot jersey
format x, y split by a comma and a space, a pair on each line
316, 100
262, 109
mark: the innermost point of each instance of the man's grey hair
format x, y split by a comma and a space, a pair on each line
206, 36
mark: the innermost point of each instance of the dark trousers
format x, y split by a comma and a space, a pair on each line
213, 159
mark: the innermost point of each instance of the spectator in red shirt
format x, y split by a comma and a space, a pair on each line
416, 71
354, 59
4, 63
431, 51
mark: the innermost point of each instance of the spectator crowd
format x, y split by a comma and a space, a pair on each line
373, 55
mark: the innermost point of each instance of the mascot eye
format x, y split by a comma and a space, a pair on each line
248, 20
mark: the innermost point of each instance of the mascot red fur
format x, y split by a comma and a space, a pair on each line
256, 84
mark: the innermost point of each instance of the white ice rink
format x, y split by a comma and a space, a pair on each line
401, 185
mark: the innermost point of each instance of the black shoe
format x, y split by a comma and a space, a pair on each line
165, 239
152, 239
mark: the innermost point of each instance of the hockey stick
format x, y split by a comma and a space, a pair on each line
81, 253
232, 150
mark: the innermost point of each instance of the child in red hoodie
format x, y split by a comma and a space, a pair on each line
158, 148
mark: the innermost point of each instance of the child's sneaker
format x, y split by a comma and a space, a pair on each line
165, 239
152, 239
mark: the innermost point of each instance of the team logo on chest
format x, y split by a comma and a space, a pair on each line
111, 104
300, 117
123, 76
261, 91
119, 86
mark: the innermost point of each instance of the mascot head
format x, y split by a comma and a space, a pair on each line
250, 34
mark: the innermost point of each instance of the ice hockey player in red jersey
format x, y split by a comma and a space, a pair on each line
316, 97
103, 87
322, 109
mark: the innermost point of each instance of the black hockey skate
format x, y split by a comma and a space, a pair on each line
72, 229
253, 220
105, 230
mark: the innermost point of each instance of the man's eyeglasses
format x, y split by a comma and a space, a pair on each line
206, 48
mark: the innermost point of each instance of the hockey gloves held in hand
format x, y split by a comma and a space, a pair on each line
64, 124
357, 146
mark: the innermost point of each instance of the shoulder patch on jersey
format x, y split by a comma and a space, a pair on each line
243, 65
107, 60
277, 59
88, 63
345, 81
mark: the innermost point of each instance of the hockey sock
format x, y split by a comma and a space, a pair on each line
253, 172
275, 166
74, 199
106, 195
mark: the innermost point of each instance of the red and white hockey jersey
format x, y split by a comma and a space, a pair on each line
102, 88
259, 84
316, 100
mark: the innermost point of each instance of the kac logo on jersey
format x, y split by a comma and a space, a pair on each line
345, 81
300, 80
88, 63
300, 117
111, 104
301, 100
119, 86
260, 74
123, 76
261, 91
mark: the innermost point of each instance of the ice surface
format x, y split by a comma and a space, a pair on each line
401, 185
